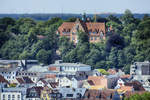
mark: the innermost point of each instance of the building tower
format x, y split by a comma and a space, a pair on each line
84, 17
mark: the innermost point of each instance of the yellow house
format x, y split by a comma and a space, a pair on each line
97, 87
45, 93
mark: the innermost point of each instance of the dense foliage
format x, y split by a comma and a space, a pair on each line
128, 42
144, 96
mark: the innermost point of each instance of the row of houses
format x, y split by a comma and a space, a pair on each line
32, 81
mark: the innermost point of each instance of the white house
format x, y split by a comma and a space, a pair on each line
65, 82
9, 73
72, 82
72, 92
69, 67
21, 90
10, 96
120, 83
32, 75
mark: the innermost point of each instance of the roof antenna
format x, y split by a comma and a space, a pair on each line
95, 16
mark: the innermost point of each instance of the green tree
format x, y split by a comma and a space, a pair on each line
44, 56
24, 25
127, 18
112, 59
142, 40
144, 96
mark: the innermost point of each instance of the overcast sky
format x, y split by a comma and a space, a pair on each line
74, 6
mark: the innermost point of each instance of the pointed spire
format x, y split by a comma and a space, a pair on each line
95, 17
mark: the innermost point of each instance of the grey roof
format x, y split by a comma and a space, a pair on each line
70, 64
111, 76
38, 68
9, 69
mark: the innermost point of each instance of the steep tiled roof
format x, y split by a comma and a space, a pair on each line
90, 82
97, 80
95, 26
35, 94
136, 85
54, 84
67, 26
27, 80
87, 26
98, 95
3, 80
43, 81
20, 80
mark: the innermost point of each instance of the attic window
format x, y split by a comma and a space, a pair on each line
101, 35
96, 30
69, 95
77, 27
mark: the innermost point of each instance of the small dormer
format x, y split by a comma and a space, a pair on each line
58, 61
101, 35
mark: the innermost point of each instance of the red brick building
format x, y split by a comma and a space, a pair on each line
95, 30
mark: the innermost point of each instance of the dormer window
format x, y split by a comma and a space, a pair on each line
77, 27
97, 30
90, 31
101, 35
66, 31
94, 32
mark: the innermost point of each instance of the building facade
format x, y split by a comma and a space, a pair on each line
69, 67
141, 71
95, 30
10, 96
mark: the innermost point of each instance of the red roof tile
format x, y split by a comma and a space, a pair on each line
20, 80
67, 26
3, 80
97, 80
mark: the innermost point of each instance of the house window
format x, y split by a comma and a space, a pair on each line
69, 95
13, 96
9, 96
95, 38
73, 38
77, 27
94, 32
3, 95
101, 35
91, 38
18, 96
